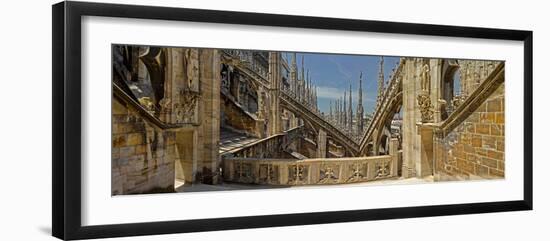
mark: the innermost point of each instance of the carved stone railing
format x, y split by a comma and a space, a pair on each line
390, 93
247, 60
144, 113
315, 117
291, 172
270, 147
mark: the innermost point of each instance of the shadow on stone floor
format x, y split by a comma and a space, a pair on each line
222, 187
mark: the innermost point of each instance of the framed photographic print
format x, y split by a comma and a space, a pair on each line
170, 120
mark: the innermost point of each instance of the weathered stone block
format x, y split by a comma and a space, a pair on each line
119, 140
119, 118
496, 173
489, 142
482, 129
470, 127
497, 130
465, 166
495, 154
500, 165
481, 152
141, 149
499, 118
460, 154
466, 139
135, 139
474, 117
121, 162
481, 170
472, 158
117, 128
115, 153
127, 151
476, 141
170, 140
500, 145
489, 162
159, 153
487, 117
494, 105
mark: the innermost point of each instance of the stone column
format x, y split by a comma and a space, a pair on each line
375, 144
411, 114
261, 114
187, 146
322, 144
394, 152
209, 68
274, 81
424, 167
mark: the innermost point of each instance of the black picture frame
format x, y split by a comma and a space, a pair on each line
66, 157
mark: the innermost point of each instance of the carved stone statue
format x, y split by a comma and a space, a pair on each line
425, 78
192, 67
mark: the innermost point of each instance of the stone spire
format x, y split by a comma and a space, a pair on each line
330, 110
345, 120
380, 80
342, 111
315, 98
293, 74
303, 81
309, 89
311, 93
303, 72
350, 109
360, 110
337, 114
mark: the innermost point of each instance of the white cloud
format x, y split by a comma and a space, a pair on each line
329, 92
325, 92
341, 69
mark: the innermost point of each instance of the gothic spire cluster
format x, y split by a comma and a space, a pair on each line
341, 112
303, 87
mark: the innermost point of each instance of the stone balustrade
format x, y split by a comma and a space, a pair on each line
248, 60
291, 172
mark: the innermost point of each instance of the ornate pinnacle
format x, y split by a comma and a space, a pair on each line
380, 79
303, 68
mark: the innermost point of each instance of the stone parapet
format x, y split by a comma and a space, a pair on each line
317, 171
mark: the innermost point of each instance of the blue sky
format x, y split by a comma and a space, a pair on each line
333, 73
